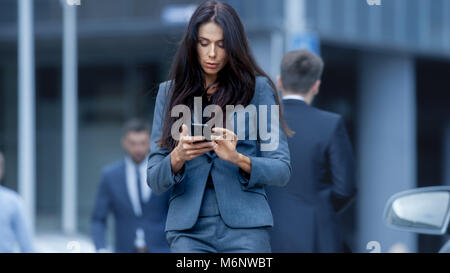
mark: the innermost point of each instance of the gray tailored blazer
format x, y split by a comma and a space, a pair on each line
241, 197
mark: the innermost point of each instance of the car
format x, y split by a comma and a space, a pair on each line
422, 210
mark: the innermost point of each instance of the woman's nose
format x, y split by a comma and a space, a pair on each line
212, 51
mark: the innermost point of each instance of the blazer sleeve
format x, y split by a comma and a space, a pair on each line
271, 166
100, 214
342, 167
160, 177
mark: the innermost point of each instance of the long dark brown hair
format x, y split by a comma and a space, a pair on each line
236, 80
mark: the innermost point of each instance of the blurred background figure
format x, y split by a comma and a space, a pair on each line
322, 180
14, 228
139, 214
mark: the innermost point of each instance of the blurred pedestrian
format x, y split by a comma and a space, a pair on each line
14, 227
139, 214
322, 181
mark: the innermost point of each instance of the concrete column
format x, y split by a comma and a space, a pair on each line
27, 113
276, 53
298, 34
70, 119
386, 145
294, 23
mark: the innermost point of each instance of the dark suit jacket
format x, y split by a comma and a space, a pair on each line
322, 182
112, 196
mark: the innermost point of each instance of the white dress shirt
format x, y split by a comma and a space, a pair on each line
293, 97
132, 187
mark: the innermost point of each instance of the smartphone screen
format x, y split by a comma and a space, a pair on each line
198, 129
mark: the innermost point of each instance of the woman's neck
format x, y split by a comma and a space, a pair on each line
209, 79
212, 89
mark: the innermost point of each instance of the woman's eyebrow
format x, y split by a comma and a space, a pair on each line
203, 38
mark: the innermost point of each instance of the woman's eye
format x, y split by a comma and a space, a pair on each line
203, 44
220, 45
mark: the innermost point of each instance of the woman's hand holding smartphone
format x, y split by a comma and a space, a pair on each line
188, 148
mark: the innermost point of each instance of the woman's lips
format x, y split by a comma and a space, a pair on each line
212, 65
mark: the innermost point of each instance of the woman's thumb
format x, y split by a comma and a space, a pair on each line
184, 130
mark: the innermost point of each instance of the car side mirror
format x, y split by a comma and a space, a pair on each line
423, 210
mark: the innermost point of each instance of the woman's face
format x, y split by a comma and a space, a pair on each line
210, 48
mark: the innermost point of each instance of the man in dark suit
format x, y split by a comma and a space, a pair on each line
322, 181
139, 214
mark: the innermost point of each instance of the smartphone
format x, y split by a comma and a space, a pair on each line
197, 129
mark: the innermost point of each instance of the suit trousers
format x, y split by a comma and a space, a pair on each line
211, 235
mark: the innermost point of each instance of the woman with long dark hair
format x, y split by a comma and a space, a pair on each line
218, 202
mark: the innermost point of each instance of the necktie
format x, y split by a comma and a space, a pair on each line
139, 187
